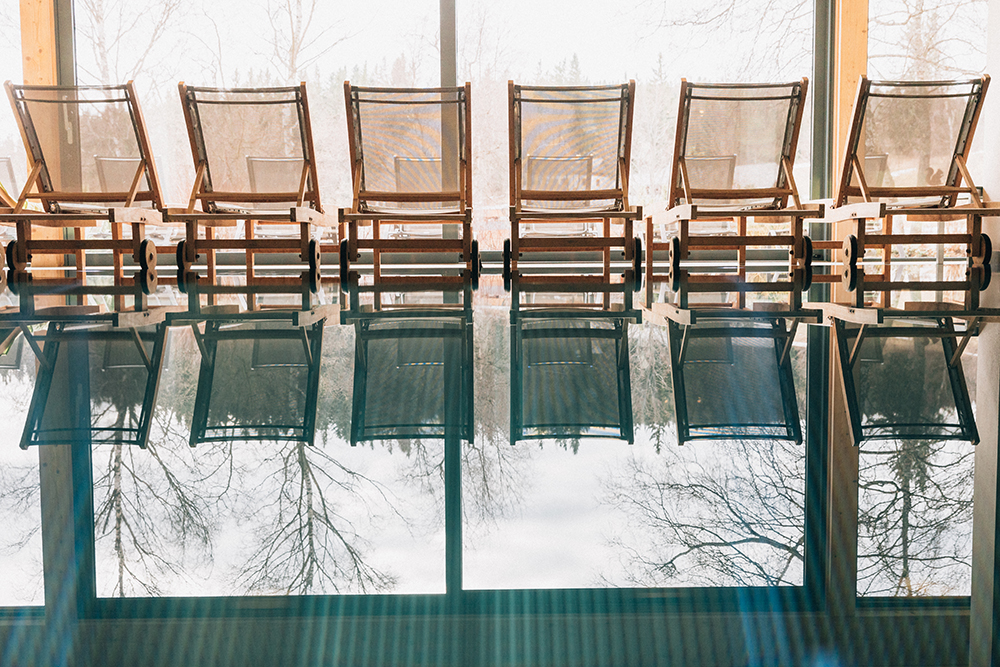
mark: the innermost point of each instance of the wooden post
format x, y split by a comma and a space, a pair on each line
850, 53
984, 648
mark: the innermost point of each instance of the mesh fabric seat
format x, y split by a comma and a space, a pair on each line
570, 151
254, 161
413, 362
732, 177
259, 380
904, 174
570, 378
105, 367
411, 165
732, 380
877, 362
64, 128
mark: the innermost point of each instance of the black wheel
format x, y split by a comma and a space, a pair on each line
147, 280
807, 254
506, 264
17, 279
807, 277
315, 279
849, 279
345, 262
637, 259
982, 254
987, 275
314, 256
475, 261
147, 255
183, 265
979, 275
12, 260
850, 250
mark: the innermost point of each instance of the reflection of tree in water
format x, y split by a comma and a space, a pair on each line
713, 514
915, 497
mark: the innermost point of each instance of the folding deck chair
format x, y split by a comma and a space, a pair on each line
98, 371
411, 165
906, 161
569, 165
569, 360
69, 134
413, 362
254, 161
259, 373
731, 367
732, 187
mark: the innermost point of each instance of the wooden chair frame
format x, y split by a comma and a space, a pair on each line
621, 315
856, 218
67, 326
452, 321
365, 212
932, 320
782, 204
727, 320
599, 219
71, 207
225, 209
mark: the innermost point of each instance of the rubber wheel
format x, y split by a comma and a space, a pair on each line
182, 264
477, 264
11, 254
849, 279
16, 279
345, 262
982, 254
147, 254
987, 276
637, 263
850, 250
807, 257
147, 280
506, 283
506, 263
314, 256
983, 278
807, 277
315, 279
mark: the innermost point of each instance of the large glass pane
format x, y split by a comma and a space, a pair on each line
20, 509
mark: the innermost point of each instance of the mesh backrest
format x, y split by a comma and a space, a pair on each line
732, 387
570, 383
228, 128
910, 133
903, 388
117, 376
733, 137
269, 174
260, 386
410, 141
570, 140
66, 128
405, 378
7, 177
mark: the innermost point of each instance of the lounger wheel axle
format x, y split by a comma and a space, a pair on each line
345, 262
980, 274
183, 263
16, 279
147, 280
674, 263
849, 279
147, 255
636, 264
850, 250
13, 261
477, 264
506, 261
983, 251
